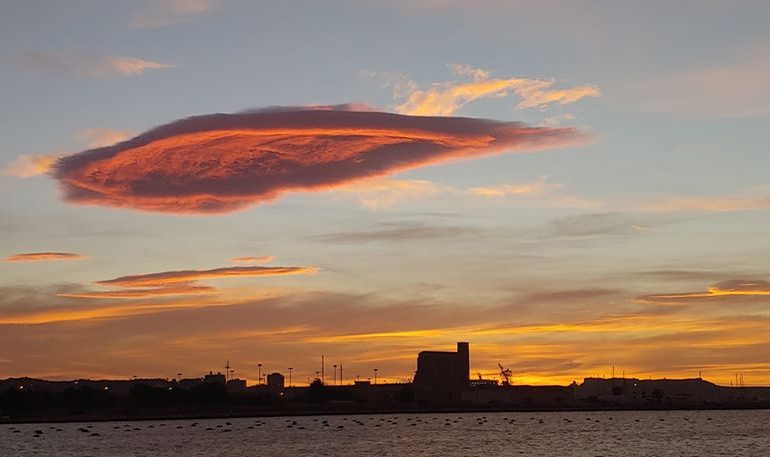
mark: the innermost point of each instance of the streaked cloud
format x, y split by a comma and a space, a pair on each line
99, 137
181, 282
737, 84
540, 186
184, 276
162, 13
595, 224
133, 66
394, 232
225, 162
574, 295
543, 349
28, 165
707, 204
377, 194
253, 259
380, 194
446, 98
684, 275
87, 307
607, 324
726, 289
183, 289
540, 95
56, 63
554, 121
44, 257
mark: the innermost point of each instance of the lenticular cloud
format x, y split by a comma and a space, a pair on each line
220, 163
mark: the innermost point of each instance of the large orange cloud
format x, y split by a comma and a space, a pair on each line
224, 162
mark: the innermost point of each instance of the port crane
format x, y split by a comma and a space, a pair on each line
506, 374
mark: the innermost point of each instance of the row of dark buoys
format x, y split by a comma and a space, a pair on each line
361, 421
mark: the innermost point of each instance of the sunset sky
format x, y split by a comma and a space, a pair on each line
568, 185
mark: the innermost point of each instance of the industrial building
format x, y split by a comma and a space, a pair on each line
442, 376
276, 382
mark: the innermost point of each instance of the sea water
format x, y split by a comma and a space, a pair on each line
562, 434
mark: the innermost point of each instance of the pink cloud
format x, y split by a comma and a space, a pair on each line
221, 163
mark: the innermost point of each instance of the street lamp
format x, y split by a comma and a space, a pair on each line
335, 374
259, 371
290, 368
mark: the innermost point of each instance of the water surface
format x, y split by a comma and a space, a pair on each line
628, 434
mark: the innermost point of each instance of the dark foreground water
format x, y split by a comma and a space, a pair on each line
628, 434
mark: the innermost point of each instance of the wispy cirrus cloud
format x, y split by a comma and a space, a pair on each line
540, 186
551, 348
446, 98
99, 137
163, 13
684, 275
92, 65
180, 282
729, 289
184, 276
713, 204
381, 194
44, 257
377, 194
29, 165
738, 86
225, 162
74, 306
253, 259
395, 232
182, 289
594, 224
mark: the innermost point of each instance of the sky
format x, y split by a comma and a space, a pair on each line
571, 186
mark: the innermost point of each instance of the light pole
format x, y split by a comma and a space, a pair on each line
290, 368
375, 375
259, 373
335, 374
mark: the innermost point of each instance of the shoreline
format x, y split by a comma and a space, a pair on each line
355, 412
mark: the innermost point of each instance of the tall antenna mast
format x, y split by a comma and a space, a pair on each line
322, 369
227, 371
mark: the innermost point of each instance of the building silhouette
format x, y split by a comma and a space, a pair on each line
442, 376
212, 378
276, 382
